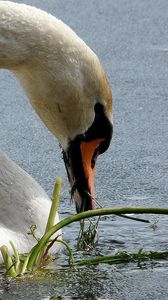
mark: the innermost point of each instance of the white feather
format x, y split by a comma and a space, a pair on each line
23, 203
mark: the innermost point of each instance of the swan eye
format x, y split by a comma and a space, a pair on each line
94, 157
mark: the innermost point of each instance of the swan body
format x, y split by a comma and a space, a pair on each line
23, 203
66, 85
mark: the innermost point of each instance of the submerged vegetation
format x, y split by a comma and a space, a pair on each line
38, 257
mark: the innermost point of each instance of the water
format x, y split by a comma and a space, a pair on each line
130, 37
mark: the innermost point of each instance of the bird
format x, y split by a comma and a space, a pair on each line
67, 87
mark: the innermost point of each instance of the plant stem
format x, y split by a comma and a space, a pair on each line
52, 213
84, 215
16, 255
123, 257
71, 257
55, 203
9, 265
134, 219
24, 266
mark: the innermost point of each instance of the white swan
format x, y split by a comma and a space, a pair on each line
67, 87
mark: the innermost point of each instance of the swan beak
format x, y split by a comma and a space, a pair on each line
89, 154
80, 161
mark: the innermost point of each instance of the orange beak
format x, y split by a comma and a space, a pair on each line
89, 153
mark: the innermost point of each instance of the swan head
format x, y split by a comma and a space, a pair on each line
81, 155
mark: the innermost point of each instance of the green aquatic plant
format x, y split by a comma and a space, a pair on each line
55, 203
38, 256
14, 266
87, 214
32, 231
8, 262
124, 257
88, 236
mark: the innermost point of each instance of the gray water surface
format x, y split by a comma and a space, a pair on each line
131, 40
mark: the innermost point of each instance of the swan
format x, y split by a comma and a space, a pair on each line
67, 87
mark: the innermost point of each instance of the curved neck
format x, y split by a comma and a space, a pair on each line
56, 68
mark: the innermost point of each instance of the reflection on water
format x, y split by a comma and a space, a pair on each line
105, 282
